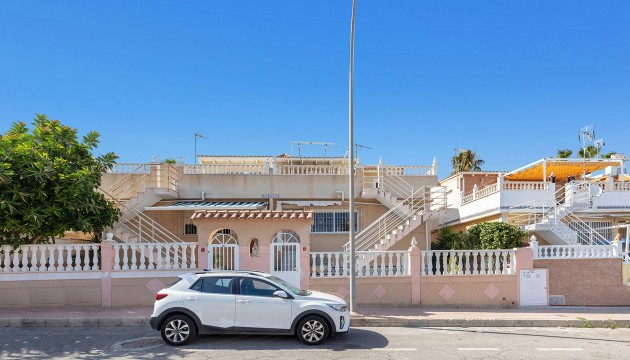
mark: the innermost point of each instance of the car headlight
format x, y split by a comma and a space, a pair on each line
339, 307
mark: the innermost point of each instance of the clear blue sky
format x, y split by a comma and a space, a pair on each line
512, 80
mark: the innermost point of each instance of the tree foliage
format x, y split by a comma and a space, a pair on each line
48, 182
466, 160
496, 235
564, 153
483, 236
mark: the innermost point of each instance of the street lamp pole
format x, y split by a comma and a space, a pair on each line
353, 285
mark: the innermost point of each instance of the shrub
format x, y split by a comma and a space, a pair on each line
496, 235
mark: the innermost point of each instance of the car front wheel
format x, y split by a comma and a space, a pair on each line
312, 330
178, 330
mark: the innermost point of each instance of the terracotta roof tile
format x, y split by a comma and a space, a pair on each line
252, 214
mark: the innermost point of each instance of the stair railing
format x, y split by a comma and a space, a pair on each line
414, 205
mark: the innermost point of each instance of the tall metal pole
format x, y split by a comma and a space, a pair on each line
353, 285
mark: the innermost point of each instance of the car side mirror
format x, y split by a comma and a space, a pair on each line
280, 294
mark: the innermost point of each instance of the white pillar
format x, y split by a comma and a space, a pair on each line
533, 243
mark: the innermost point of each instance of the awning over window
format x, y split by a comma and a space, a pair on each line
211, 205
310, 203
561, 168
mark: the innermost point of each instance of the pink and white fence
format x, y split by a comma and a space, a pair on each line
467, 262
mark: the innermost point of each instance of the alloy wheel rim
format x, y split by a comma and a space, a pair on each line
177, 331
313, 331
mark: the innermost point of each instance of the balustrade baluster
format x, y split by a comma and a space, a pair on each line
167, 252
16, 261
497, 259
193, 256
328, 264
339, 262
423, 264
177, 258
125, 259
116, 248
185, 258
24, 249
95, 249
150, 248
390, 264
460, 263
159, 262
313, 265
86, 256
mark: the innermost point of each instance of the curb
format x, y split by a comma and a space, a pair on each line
465, 323
355, 321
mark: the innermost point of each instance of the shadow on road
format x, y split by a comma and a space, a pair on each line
355, 339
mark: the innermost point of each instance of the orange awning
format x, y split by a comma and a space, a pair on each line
561, 168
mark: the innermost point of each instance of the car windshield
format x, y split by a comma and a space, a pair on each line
291, 288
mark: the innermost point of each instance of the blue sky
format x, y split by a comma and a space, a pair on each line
512, 80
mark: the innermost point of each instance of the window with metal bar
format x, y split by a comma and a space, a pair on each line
333, 222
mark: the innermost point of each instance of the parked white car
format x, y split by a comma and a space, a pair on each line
245, 302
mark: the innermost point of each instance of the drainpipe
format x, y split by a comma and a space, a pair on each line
342, 194
203, 195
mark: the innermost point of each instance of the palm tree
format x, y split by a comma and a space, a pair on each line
466, 160
591, 152
564, 153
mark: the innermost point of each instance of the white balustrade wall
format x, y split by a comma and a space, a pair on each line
49, 258
467, 262
368, 264
577, 252
525, 185
154, 256
311, 170
236, 169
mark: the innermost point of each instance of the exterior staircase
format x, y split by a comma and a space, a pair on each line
408, 209
558, 222
144, 185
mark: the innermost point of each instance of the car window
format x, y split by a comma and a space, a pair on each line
255, 287
214, 285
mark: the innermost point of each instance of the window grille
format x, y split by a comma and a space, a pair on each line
603, 228
333, 222
190, 229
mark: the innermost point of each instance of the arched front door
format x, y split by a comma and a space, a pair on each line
285, 257
223, 251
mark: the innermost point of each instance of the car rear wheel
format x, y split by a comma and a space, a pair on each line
178, 330
312, 330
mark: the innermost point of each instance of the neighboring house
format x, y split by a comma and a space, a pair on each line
393, 204
561, 201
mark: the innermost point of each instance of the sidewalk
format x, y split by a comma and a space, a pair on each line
368, 317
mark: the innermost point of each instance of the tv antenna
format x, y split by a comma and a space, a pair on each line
300, 143
198, 135
586, 135
359, 146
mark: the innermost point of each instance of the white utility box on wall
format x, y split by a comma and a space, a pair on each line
533, 287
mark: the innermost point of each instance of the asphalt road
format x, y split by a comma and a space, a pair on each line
360, 343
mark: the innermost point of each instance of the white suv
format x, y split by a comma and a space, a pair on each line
245, 302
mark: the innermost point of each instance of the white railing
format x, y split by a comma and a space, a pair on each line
525, 185
467, 262
577, 252
225, 169
621, 186
129, 169
407, 170
154, 256
368, 264
486, 191
142, 177
311, 170
48, 258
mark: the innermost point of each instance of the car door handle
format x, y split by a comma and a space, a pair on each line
243, 301
192, 298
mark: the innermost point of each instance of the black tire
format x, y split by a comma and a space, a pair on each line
312, 330
178, 330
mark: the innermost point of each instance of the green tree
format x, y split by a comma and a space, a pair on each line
49, 181
589, 152
564, 153
447, 239
496, 235
608, 155
466, 160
